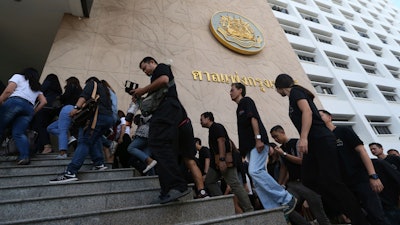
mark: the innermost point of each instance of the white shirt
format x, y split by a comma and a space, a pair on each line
23, 89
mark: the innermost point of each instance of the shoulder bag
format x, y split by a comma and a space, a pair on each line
88, 113
150, 103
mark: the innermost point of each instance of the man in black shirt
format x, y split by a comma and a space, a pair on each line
220, 145
203, 156
292, 165
357, 170
377, 150
253, 144
163, 133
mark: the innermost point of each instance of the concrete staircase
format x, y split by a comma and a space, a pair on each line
113, 196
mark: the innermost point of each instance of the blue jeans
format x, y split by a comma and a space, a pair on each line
138, 147
89, 142
61, 127
270, 193
18, 112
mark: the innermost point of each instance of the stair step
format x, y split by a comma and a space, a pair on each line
33, 169
44, 162
84, 187
69, 204
37, 179
272, 216
171, 213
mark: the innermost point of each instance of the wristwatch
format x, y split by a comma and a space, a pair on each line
374, 176
258, 137
77, 107
284, 154
222, 159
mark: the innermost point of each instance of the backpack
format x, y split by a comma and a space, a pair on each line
88, 113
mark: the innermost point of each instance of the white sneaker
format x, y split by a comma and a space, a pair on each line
150, 166
71, 139
100, 167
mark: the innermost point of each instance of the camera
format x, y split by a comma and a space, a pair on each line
129, 86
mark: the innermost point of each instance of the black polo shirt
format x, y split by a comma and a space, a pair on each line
294, 170
163, 69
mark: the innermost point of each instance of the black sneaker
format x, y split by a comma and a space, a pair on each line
290, 206
99, 167
202, 194
174, 195
64, 178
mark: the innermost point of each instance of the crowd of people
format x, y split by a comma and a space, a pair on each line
324, 174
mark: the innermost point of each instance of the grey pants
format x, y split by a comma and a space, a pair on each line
231, 178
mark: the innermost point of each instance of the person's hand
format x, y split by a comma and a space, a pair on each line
222, 166
302, 145
279, 150
73, 112
138, 92
376, 185
259, 145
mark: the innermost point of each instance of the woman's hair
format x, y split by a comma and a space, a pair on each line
121, 114
54, 82
73, 81
106, 84
32, 76
285, 81
95, 79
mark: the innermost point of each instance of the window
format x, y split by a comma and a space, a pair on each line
323, 7
387, 29
389, 93
393, 70
337, 2
374, 15
361, 32
379, 125
351, 44
368, 22
322, 85
279, 8
337, 24
322, 36
343, 120
382, 38
305, 55
377, 50
368, 66
396, 54
338, 61
356, 8
309, 16
357, 90
290, 28
301, 1
348, 15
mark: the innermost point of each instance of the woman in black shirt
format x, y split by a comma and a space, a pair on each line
320, 167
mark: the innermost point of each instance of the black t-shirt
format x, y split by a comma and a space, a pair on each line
216, 131
294, 170
394, 161
104, 100
163, 69
351, 165
318, 127
204, 153
70, 95
245, 111
390, 179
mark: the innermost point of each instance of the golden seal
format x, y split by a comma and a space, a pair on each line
237, 33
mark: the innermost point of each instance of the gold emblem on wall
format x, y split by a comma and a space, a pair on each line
237, 33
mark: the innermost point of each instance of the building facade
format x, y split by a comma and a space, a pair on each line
350, 51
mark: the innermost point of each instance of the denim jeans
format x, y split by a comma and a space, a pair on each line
138, 147
60, 127
89, 142
270, 193
18, 113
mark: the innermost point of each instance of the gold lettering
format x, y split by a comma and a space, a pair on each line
208, 76
215, 77
245, 81
268, 84
252, 82
197, 75
225, 78
235, 78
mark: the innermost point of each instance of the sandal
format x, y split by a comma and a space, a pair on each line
47, 149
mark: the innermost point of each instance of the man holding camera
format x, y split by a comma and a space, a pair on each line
163, 133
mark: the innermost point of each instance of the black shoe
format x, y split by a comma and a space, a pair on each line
24, 161
290, 206
173, 195
202, 194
